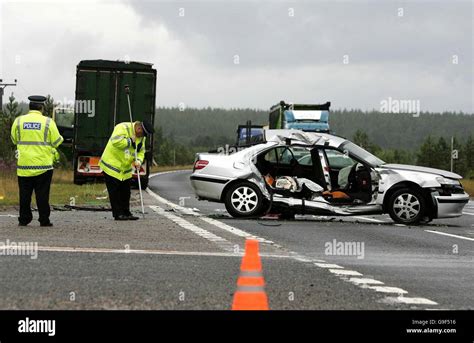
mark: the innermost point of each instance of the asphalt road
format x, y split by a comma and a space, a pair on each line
433, 261
185, 254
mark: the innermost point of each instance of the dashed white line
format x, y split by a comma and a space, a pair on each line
221, 242
234, 230
365, 281
328, 265
208, 220
172, 204
408, 301
386, 289
345, 272
450, 235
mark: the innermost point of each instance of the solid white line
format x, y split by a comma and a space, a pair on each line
450, 235
125, 251
145, 252
136, 251
369, 219
470, 214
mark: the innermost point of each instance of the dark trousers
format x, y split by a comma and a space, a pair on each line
119, 195
41, 184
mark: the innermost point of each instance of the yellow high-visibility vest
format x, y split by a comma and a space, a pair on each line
36, 137
119, 153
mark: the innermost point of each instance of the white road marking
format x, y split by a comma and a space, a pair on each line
359, 280
470, 214
328, 265
145, 252
345, 272
408, 300
369, 219
8, 215
221, 242
386, 289
208, 220
234, 230
450, 235
365, 281
172, 204
137, 251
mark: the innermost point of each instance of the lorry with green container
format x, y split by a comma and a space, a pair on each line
101, 103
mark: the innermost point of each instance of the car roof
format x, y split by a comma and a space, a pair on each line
304, 138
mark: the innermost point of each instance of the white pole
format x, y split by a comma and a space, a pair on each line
452, 148
127, 91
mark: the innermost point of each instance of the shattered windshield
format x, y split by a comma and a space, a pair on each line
361, 154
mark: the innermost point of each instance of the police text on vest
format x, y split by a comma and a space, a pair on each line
31, 126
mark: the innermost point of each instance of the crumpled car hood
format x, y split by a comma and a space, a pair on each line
421, 169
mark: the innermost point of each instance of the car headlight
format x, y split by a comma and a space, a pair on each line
446, 181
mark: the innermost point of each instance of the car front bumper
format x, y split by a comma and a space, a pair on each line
451, 205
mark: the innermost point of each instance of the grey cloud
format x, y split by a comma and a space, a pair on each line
264, 34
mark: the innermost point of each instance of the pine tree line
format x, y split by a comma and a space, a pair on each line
395, 138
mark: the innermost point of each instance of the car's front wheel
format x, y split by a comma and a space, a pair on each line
407, 206
244, 199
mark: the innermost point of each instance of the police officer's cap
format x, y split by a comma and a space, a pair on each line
38, 99
147, 128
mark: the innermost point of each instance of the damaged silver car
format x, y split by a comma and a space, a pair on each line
295, 172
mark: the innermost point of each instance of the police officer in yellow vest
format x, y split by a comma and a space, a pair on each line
36, 137
118, 161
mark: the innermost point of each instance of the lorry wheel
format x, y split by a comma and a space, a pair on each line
407, 206
244, 199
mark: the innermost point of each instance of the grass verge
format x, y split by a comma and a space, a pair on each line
63, 190
468, 185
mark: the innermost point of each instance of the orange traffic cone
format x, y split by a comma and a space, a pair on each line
250, 294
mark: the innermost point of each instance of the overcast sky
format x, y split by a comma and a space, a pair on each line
248, 53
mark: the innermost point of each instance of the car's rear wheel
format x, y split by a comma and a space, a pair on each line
407, 206
244, 199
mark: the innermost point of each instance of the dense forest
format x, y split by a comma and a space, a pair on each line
388, 130
396, 138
